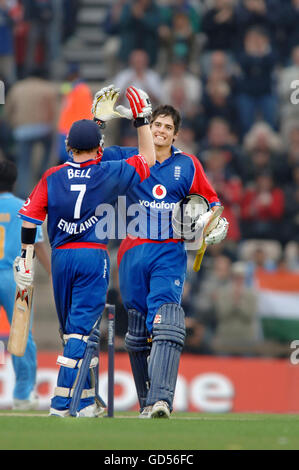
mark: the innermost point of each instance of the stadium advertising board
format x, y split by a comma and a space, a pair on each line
205, 384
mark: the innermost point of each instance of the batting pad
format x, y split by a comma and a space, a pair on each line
138, 347
168, 340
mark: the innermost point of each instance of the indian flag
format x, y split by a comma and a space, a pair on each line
278, 304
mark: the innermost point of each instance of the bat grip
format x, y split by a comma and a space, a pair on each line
29, 256
209, 227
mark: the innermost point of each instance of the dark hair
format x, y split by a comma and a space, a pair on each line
168, 110
8, 175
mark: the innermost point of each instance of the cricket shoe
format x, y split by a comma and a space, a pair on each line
91, 411
160, 410
30, 404
146, 412
59, 413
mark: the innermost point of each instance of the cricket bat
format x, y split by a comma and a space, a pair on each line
210, 225
20, 324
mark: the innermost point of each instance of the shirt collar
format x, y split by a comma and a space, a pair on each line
174, 152
83, 164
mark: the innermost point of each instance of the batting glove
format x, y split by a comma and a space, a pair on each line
218, 233
199, 225
103, 106
22, 275
139, 103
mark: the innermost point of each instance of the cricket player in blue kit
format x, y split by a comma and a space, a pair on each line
152, 262
24, 395
70, 195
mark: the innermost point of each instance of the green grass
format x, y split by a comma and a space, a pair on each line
183, 431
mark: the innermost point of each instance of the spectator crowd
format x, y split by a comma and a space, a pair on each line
231, 67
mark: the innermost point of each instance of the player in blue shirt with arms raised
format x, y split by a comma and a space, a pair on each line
69, 195
152, 261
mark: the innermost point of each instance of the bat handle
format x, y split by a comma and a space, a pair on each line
210, 225
199, 257
29, 256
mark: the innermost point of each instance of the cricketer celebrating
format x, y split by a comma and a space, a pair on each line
24, 396
152, 263
69, 195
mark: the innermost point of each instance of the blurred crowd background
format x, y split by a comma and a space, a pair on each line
231, 67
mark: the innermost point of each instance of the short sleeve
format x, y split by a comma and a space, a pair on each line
35, 207
140, 165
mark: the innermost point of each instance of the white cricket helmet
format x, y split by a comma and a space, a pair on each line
187, 222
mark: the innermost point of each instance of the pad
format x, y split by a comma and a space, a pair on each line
138, 347
92, 349
168, 340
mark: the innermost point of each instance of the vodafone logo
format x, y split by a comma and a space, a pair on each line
159, 191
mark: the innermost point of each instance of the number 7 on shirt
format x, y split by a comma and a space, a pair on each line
81, 188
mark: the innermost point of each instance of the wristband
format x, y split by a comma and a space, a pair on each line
28, 235
141, 121
100, 123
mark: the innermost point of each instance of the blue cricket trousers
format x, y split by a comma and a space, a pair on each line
150, 275
80, 283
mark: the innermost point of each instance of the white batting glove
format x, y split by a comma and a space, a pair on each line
22, 275
103, 106
200, 224
140, 104
218, 233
